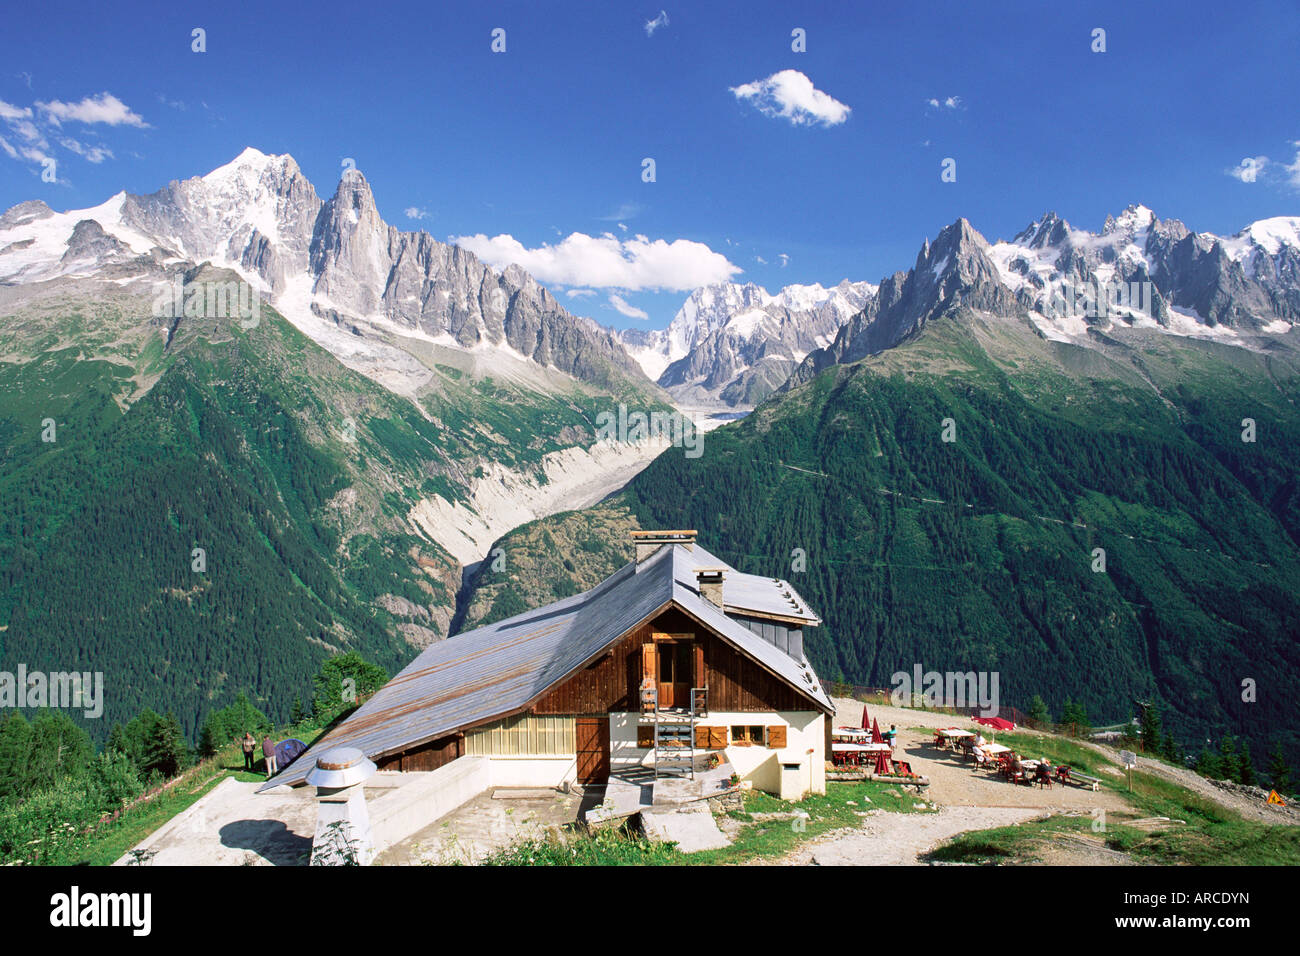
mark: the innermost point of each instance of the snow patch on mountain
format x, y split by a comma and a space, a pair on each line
1170, 274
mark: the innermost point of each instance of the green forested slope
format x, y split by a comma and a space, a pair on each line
294, 475
978, 553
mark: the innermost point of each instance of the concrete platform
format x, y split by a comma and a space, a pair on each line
691, 827
487, 823
234, 826
634, 791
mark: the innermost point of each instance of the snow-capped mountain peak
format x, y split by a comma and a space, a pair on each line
1273, 234
712, 350
326, 265
1132, 220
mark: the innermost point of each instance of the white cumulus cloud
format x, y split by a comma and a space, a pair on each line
10, 112
104, 108
415, 212
631, 311
652, 25
1293, 169
948, 103
92, 154
607, 262
790, 95
1249, 169
1272, 171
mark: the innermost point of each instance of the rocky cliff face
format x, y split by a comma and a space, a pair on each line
1138, 272
733, 344
261, 217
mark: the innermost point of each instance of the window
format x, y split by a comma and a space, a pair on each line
525, 734
747, 735
675, 663
751, 735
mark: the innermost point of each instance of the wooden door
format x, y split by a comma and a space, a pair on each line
593, 749
676, 671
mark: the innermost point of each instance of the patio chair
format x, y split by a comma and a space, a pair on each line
1043, 776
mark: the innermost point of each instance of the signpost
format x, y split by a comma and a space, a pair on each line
1129, 759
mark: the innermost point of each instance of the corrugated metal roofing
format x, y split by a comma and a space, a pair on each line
495, 670
751, 592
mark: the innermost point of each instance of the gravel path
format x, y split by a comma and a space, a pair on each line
899, 839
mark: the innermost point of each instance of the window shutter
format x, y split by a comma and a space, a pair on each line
776, 736
702, 737
699, 676
645, 737
648, 669
718, 738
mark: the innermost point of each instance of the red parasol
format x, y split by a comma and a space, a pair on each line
866, 725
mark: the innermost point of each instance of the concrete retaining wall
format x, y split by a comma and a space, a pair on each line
423, 798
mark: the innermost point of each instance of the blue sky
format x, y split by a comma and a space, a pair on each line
548, 138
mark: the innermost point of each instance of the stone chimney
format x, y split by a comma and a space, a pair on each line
710, 584
648, 542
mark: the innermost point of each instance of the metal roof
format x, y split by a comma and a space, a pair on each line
498, 669
798, 673
756, 594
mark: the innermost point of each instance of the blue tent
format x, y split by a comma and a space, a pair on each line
287, 751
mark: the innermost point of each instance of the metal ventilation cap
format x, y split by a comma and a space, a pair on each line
341, 767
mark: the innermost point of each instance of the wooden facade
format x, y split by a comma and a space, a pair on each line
428, 756
736, 682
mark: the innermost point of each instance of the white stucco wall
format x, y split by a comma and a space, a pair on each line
805, 732
533, 771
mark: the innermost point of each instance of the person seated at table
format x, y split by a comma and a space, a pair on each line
978, 753
979, 740
1017, 766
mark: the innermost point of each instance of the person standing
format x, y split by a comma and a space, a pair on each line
248, 744
268, 751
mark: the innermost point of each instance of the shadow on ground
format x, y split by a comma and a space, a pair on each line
269, 839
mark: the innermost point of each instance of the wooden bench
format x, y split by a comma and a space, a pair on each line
1084, 780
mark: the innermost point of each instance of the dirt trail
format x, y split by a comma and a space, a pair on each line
1249, 807
899, 839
